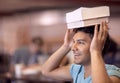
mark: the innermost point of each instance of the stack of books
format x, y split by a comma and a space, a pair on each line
83, 16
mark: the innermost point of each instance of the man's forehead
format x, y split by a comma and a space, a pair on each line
81, 36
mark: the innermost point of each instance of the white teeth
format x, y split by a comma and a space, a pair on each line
76, 54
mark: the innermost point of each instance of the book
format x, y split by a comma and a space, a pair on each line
86, 15
86, 23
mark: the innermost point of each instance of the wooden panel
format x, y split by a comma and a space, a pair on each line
13, 6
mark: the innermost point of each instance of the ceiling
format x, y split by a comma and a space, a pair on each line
8, 7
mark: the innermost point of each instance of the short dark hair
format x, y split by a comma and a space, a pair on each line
38, 41
90, 30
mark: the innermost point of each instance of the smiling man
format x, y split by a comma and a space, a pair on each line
87, 44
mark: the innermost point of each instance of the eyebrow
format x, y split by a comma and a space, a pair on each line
80, 40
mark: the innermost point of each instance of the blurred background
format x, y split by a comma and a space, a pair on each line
23, 20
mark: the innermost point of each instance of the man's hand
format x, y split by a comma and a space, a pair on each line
68, 38
99, 38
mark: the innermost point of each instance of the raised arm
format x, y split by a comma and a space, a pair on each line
99, 74
51, 67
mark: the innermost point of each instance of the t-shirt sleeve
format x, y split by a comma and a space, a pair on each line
113, 70
74, 70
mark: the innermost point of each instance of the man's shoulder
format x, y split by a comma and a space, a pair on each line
112, 70
111, 67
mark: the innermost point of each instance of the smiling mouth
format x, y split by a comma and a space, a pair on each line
77, 55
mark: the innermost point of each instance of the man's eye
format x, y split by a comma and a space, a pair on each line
81, 43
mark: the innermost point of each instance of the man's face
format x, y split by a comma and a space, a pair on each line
81, 48
33, 48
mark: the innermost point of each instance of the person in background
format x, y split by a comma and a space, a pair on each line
35, 49
29, 55
87, 46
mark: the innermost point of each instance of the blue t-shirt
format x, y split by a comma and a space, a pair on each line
77, 73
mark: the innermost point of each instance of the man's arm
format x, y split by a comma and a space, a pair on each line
99, 74
52, 67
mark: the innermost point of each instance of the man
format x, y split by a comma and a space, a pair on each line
27, 58
87, 46
28, 55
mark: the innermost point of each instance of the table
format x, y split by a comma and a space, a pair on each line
28, 78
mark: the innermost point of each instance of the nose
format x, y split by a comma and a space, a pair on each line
74, 47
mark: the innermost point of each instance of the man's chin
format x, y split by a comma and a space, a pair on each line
77, 62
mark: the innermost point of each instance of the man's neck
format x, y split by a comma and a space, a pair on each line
87, 69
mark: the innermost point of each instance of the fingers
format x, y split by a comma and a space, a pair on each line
96, 31
105, 31
101, 30
68, 35
67, 32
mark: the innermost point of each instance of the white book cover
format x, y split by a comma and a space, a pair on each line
84, 13
85, 23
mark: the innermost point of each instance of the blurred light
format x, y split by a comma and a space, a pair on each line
49, 18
